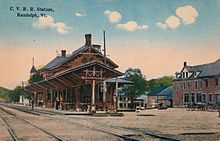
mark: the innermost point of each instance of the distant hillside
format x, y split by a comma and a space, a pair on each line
4, 91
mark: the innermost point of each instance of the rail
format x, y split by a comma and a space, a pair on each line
46, 131
9, 130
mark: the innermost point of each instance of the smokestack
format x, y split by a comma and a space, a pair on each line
184, 64
63, 52
88, 39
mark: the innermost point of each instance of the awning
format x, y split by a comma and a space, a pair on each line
75, 77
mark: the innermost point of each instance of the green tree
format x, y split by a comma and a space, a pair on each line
35, 78
15, 94
140, 84
164, 81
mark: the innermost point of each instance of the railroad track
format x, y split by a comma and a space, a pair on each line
103, 127
75, 123
17, 133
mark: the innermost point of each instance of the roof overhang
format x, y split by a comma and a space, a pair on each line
75, 77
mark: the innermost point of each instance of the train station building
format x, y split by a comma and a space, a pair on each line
80, 80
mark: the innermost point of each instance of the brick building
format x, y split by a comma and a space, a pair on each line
78, 80
197, 84
160, 95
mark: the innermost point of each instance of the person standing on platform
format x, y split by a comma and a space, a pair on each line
57, 103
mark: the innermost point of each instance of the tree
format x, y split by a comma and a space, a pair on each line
15, 94
164, 81
140, 84
35, 78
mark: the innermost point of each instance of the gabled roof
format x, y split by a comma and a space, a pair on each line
167, 91
60, 60
156, 91
84, 66
204, 70
33, 69
54, 62
73, 71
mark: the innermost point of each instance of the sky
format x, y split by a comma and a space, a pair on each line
156, 36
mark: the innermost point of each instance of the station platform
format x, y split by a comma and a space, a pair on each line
68, 112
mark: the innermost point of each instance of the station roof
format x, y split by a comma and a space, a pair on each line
60, 60
73, 77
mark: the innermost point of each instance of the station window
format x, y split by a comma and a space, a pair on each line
177, 86
206, 83
195, 73
184, 85
210, 98
189, 85
198, 97
204, 98
216, 82
200, 84
186, 99
187, 74
183, 74
193, 98
196, 84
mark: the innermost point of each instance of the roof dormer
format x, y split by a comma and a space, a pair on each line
195, 72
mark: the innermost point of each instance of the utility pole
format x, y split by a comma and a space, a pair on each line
104, 82
116, 94
104, 47
22, 93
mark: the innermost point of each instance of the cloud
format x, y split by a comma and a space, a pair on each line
131, 26
113, 16
188, 14
48, 22
80, 15
173, 22
161, 25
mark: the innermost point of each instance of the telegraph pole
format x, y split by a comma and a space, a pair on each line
104, 82
22, 93
116, 93
104, 48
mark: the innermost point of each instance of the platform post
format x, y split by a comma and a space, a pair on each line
93, 97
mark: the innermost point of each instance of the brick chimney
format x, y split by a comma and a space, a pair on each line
88, 39
184, 64
63, 52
